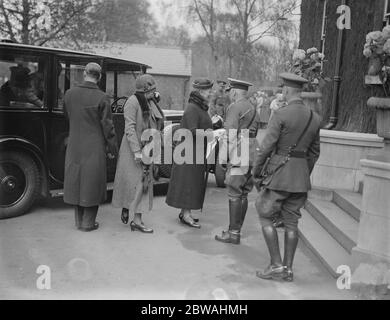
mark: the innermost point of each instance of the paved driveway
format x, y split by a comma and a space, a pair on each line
176, 262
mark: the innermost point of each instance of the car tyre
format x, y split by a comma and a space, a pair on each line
20, 183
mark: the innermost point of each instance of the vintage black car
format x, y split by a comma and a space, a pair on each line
33, 128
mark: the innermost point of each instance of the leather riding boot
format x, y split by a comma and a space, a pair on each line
229, 236
290, 245
78, 216
275, 270
271, 238
244, 208
235, 214
233, 234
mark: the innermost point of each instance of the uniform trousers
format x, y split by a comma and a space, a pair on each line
238, 185
270, 202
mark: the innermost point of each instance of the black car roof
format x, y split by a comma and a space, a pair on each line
110, 59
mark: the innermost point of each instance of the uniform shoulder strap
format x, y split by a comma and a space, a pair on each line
253, 117
304, 130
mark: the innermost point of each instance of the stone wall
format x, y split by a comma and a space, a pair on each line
339, 164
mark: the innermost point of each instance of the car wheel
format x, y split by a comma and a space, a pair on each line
19, 183
220, 174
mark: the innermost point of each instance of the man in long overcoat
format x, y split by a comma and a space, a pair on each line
292, 144
91, 136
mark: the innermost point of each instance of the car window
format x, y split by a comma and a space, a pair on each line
69, 75
22, 81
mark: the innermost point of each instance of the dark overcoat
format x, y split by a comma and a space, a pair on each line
91, 135
187, 183
283, 131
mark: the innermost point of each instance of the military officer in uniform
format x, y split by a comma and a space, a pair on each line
241, 115
293, 145
220, 101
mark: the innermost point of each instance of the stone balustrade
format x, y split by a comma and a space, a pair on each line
339, 164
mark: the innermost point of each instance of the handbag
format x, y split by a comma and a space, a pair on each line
265, 175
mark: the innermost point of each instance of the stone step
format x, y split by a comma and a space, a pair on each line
350, 202
339, 224
322, 244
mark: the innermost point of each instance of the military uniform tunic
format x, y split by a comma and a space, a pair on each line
239, 117
286, 190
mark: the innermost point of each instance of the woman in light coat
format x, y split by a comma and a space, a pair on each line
133, 187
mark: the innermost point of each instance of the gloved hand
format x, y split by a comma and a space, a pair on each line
138, 157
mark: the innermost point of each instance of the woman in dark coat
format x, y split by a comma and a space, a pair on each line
187, 184
131, 193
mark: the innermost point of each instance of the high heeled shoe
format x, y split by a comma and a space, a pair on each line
125, 215
191, 223
181, 218
140, 227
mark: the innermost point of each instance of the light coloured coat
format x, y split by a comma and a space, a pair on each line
128, 177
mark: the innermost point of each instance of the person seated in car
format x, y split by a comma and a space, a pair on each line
19, 88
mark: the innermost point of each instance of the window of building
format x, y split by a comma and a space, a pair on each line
22, 81
386, 17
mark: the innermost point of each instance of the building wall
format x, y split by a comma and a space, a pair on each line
174, 90
366, 16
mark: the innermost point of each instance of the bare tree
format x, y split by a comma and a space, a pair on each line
235, 28
259, 19
205, 12
38, 22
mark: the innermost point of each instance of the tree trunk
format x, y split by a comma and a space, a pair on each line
353, 113
25, 22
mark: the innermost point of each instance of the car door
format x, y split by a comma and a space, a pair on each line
66, 73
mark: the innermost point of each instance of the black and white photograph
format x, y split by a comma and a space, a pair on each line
190, 151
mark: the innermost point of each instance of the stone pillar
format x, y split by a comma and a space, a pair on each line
374, 227
371, 256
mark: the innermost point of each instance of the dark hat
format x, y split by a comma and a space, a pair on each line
145, 83
292, 80
202, 83
238, 84
19, 76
